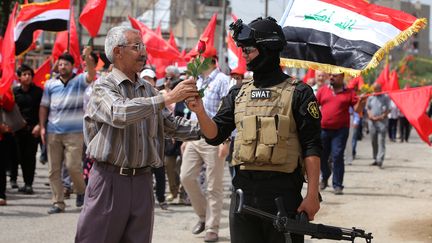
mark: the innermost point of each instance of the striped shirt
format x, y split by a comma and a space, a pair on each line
65, 104
216, 85
126, 122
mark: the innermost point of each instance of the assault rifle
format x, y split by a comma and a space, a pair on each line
301, 224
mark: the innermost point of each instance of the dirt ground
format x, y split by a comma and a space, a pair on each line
394, 203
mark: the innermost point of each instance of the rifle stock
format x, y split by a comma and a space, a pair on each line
300, 225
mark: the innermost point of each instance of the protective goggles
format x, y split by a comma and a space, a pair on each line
242, 34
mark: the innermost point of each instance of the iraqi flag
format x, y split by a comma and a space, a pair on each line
50, 16
349, 36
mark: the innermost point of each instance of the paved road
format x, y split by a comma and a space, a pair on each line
25, 218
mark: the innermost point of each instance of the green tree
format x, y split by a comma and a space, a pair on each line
5, 10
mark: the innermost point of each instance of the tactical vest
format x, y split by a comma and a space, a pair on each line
267, 136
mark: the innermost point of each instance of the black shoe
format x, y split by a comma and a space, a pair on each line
26, 189
338, 191
198, 228
14, 184
55, 209
374, 163
79, 200
323, 185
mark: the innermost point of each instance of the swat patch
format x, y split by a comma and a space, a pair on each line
260, 94
313, 109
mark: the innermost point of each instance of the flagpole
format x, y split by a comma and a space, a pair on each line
69, 23
286, 12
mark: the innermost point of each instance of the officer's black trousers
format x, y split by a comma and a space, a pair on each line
260, 189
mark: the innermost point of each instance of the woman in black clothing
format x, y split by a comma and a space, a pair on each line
28, 97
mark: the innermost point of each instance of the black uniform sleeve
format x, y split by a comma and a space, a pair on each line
224, 118
308, 120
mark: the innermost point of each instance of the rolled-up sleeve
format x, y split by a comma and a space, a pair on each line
115, 109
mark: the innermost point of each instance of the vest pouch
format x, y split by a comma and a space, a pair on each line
281, 149
263, 153
268, 138
248, 143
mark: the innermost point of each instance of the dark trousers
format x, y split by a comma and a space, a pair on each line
392, 129
27, 148
3, 165
260, 189
159, 174
333, 142
357, 136
405, 129
12, 155
116, 208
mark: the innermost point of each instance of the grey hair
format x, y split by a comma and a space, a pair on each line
116, 37
172, 69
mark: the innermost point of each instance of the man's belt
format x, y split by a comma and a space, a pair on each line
123, 170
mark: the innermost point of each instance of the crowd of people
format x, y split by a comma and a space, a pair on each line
110, 136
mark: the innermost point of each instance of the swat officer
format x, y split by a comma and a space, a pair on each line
278, 140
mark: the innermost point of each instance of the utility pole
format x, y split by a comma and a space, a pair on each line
266, 8
222, 46
183, 16
153, 16
80, 32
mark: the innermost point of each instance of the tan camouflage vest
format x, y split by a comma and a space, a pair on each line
266, 130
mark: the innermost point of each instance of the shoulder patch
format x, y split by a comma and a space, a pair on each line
313, 109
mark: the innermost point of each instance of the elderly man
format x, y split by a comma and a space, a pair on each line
125, 125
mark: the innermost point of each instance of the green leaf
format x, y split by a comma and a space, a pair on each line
190, 67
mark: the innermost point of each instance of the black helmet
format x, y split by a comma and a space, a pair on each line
260, 32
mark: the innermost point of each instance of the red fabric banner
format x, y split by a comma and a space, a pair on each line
8, 55
207, 36
60, 45
41, 73
413, 104
384, 77
356, 83
394, 81
155, 45
92, 15
309, 74
172, 40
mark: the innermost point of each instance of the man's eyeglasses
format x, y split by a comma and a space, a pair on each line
137, 46
248, 49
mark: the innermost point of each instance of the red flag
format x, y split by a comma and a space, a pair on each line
172, 40
356, 83
413, 104
309, 74
8, 54
155, 45
92, 15
158, 31
393, 82
384, 77
100, 64
40, 76
60, 45
1, 42
207, 36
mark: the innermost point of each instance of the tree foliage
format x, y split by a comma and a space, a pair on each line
5, 10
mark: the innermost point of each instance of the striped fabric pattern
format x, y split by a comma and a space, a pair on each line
125, 123
348, 36
65, 103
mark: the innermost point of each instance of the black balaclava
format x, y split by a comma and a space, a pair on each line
266, 66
